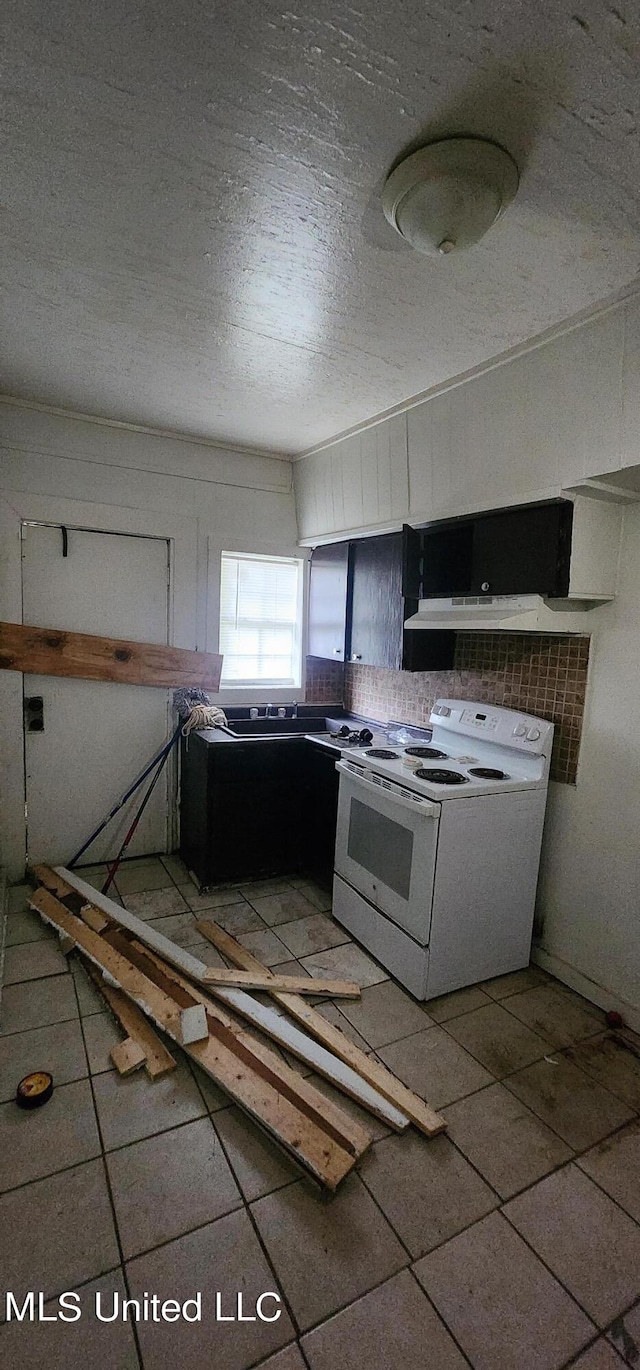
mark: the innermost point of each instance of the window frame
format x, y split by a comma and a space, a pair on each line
296, 684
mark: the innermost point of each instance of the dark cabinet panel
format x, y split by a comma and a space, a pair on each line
523, 551
377, 603
505, 552
328, 601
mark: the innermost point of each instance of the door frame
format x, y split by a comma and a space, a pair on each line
18, 507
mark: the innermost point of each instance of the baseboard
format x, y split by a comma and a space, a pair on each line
4, 900
589, 989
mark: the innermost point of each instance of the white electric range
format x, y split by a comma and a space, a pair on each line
438, 846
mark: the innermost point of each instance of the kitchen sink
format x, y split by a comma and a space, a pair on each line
277, 727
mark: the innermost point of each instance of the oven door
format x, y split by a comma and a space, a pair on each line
386, 844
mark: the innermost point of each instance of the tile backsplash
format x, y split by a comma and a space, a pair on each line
536, 673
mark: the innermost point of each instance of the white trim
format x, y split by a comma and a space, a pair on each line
173, 433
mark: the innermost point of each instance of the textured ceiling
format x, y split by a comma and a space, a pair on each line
190, 198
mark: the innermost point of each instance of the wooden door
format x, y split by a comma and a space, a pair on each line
96, 737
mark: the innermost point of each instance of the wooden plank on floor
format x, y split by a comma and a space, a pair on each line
228, 1062
52, 651
158, 1060
266, 1063
371, 1070
185, 961
127, 1056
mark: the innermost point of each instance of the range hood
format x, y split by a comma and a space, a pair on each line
504, 613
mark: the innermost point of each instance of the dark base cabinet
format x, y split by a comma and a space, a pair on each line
256, 809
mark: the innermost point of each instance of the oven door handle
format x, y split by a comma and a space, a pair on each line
421, 806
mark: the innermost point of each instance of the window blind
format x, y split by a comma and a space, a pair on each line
261, 620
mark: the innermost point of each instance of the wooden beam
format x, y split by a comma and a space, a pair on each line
371, 1070
228, 1062
179, 1023
267, 1064
258, 978
158, 1060
127, 1056
280, 1030
52, 651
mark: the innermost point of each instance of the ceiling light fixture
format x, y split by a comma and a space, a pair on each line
446, 196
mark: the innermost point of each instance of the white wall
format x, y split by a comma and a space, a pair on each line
94, 475
589, 895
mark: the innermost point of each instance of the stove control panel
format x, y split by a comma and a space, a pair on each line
495, 725
487, 722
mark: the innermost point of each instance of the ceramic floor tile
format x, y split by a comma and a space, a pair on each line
394, 1327
259, 889
58, 1345
289, 1359
615, 1165
258, 1163
89, 997
54, 1246
17, 897
133, 876
178, 927
101, 1033
93, 875
326, 1254
507, 1143
214, 1097
329, 1010
37, 1143
155, 903
624, 1334
607, 1060
598, 1357
584, 1238
33, 961
58, 1049
306, 936
224, 1256
37, 1003
435, 1067
459, 1001
176, 868
281, 908
237, 918
557, 1015
571, 1103
514, 982
320, 898
212, 899
26, 926
167, 1185
425, 1188
265, 946
204, 951
129, 1107
347, 962
500, 1302
497, 1040
385, 1013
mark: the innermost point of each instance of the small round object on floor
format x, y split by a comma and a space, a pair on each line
614, 1019
34, 1089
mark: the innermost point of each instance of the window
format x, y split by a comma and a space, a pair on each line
261, 620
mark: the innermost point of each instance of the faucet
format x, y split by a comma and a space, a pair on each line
267, 710
294, 708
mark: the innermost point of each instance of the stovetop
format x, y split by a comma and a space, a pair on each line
471, 749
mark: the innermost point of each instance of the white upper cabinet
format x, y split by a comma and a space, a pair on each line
524, 430
359, 482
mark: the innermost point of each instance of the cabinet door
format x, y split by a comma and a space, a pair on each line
447, 560
328, 601
377, 603
523, 551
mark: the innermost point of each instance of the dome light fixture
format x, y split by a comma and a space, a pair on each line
447, 195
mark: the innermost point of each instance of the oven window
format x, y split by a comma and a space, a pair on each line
381, 847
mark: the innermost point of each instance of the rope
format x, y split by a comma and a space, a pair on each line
203, 716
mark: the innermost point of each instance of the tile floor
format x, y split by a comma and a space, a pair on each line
511, 1241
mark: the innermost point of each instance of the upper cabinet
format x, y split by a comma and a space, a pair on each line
359, 482
328, 601
559, 549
